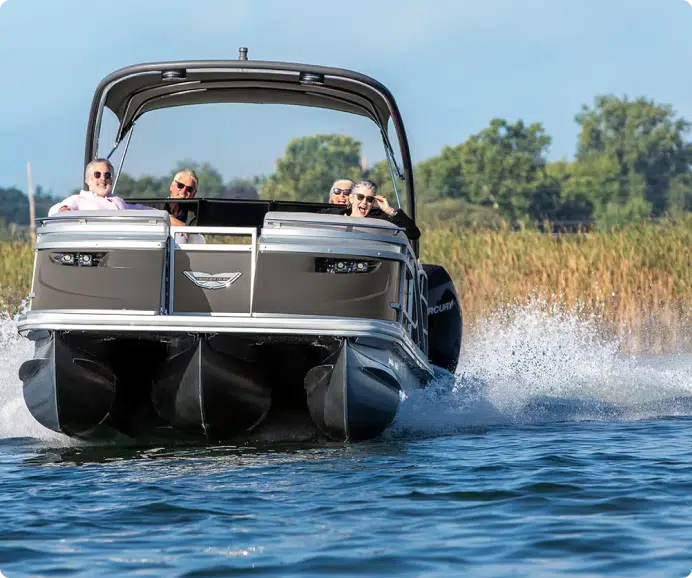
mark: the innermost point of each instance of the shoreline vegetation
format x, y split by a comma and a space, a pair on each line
634, 282
605, 237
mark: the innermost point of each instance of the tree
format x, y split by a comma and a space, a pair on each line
441, 176
14, 204
503, 165
558, 198
630, 153
241, 189
146, 186
310, 165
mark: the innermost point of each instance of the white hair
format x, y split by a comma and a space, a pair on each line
187, 172
90, 166
349, 181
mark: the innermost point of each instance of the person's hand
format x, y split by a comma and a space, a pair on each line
384, 205
63, 208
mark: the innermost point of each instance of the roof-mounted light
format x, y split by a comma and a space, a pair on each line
174, 75
311, 78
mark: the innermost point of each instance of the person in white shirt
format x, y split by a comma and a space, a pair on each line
98, 178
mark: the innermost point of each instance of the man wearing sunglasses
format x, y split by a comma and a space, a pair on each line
363, 199
98, 177
340, 192
184, 186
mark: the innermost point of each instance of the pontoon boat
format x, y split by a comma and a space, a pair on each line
286, 315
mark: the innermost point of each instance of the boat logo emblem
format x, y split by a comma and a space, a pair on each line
209, 281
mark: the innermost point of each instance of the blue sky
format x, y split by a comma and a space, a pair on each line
451, 64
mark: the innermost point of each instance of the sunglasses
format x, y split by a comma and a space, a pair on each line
344, 192
368, 198
188, 188
106, 175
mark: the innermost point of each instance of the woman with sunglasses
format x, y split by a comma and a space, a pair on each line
340, 192
98, 177
364, 196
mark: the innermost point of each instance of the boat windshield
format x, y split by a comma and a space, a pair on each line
252, 151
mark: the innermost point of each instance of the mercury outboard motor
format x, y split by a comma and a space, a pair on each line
444, 319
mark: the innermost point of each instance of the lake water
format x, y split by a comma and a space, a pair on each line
553, 455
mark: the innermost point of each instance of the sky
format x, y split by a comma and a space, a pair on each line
452, 65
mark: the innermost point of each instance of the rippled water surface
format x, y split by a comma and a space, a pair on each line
552, 455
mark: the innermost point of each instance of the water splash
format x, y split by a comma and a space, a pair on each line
15, 419
533, 363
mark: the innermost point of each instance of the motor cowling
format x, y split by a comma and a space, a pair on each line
445, 321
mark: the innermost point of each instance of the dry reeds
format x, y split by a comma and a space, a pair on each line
636, 281
16, 263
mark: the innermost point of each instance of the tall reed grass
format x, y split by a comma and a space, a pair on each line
636, 281
16, 264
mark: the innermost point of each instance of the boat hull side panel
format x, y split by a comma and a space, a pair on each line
304, 291
125, 279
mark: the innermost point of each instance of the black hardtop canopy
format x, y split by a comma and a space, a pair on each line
134, 90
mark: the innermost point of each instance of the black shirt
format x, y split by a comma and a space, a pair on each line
399, 218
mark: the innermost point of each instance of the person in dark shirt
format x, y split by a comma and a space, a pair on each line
184, 186
363, 198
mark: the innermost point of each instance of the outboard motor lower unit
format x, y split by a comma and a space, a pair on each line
444, 319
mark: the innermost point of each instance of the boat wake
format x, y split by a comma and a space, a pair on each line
15, 419
524, 365
520, 366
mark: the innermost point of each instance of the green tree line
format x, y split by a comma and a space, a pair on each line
632, 161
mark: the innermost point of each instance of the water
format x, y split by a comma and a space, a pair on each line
552, 455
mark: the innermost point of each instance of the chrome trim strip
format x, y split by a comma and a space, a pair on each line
276, 248
253, 265
228, 231
297, 222
117, 216
192, 247
172, 245
91, 244
32, 295
284, 325
318, 235
207, 314
90, 312
225, 231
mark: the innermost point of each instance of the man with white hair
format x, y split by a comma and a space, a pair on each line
98, 177
184, 186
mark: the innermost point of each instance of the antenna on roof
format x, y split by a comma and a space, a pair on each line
243, 53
